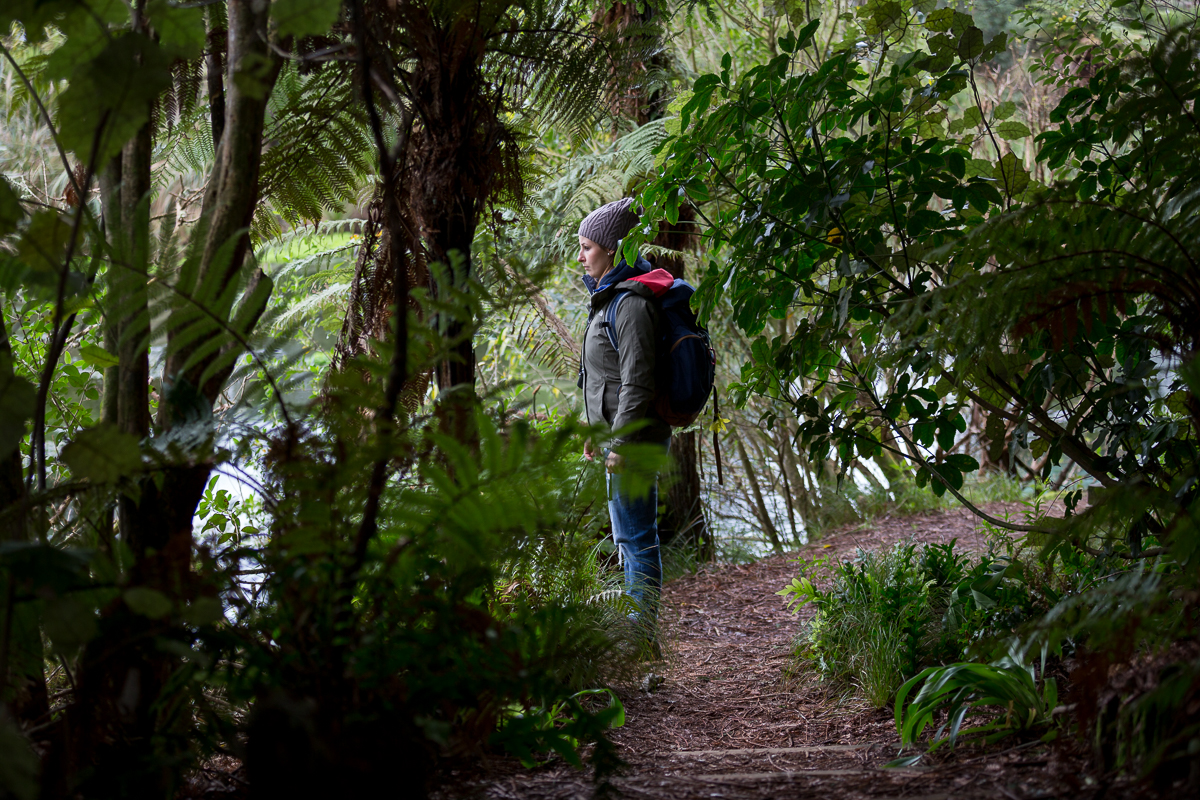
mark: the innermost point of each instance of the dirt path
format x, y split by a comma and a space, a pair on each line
729, 722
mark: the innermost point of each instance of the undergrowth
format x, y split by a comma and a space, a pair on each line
890, 614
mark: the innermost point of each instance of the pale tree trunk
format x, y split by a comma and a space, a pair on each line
760, 505
108, 747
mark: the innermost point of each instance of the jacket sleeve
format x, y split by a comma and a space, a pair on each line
636, 335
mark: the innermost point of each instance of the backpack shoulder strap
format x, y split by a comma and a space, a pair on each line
610, 319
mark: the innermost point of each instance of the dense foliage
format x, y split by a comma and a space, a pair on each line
308, 247
404, 581
867, 196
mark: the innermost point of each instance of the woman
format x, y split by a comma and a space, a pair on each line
618, 389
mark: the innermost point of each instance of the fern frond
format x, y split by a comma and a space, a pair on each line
321, 154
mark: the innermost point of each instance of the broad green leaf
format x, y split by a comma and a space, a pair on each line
204, 611
147, 602
960, 23
945, 436
19, 764
1038, 447
11, 211
979, 167
180, 30
305, 17
17, 399
997, 45
962, 462
45, 568
939, 20
1004, 110
970, 44
69, 623
97, 356
1010, 173
103, 454
1012, 130
252, 77
880, 15
994, 431
43, 245
111, 95
86, 30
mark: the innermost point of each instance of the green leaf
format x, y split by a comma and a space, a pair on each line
69, 623
147, 602
252, 77
1012, 130
945, 436
19, 764
180, 31
203, 611
86, 30
998, 43
111, 94
45, 568
11, 211
1004, 110
994, 431
305, 17
977, 167
1010, 173
97, 356
970, 44
1038, 447
103, 454
17, 400
939, 20
962, 462
629, 250
44, 243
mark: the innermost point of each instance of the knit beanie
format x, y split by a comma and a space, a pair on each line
609, 223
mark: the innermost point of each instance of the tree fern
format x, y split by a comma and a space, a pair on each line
321, 152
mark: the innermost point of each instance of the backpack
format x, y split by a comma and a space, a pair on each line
686, 362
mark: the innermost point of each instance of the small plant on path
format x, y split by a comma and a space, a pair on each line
960, 689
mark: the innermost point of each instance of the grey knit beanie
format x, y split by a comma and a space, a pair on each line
609, 223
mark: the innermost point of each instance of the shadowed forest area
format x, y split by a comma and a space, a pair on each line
293, 499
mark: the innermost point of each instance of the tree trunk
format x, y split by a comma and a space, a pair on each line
117, 737
684, 513
22, 664
760, 505
461, 147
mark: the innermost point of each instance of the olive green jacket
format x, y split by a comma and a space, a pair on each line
619, 388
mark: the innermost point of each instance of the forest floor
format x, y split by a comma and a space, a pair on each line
731, 720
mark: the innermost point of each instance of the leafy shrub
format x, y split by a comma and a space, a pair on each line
960, 689
473, 615
889, 615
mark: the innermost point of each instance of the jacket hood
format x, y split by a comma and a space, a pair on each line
601, 290
657, 281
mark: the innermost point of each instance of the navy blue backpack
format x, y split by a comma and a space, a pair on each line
687, 364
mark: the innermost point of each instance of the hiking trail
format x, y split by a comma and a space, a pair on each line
730, 721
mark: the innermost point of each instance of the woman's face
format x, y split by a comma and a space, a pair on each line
595, 259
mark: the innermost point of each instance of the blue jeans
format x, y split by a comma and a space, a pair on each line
635, 532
